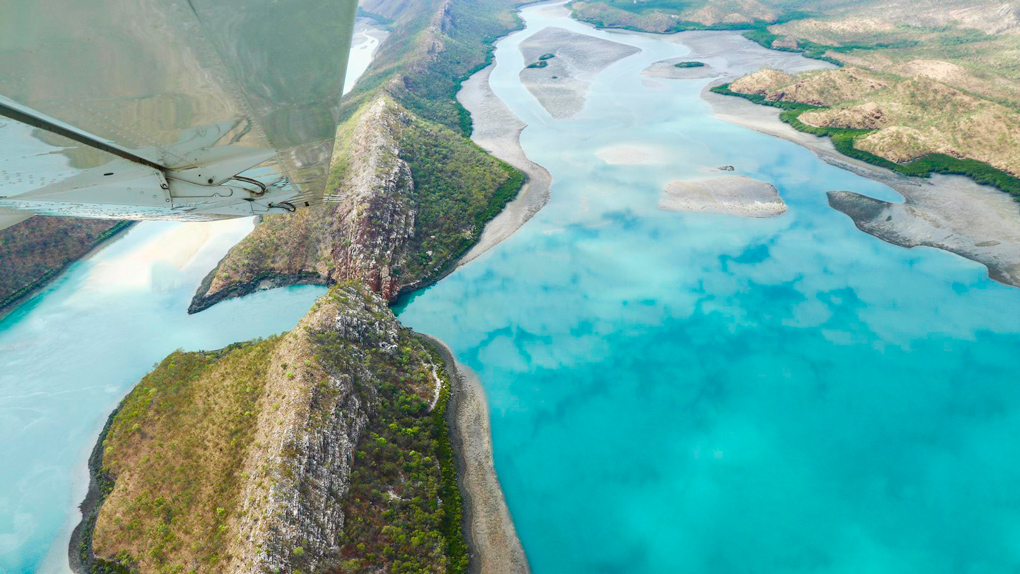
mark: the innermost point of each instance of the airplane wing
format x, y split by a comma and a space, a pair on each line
168, 109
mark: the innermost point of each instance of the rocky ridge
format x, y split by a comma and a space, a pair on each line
404, 200
408, 193
244, 458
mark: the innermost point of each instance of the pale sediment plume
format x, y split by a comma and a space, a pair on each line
561, 86
733, 195
632, 154
491, 536
173, 250
497, 130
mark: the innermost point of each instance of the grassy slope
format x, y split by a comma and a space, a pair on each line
846, 141
433, 47
174, 452
33, 252
459, 189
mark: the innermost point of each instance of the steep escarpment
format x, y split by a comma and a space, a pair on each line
408, 192
406, 197
322, 449
34, 251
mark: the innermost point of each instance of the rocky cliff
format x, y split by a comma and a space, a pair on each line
322, 449
408, 192
406, 197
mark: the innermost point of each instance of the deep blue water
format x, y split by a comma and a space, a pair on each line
703, 393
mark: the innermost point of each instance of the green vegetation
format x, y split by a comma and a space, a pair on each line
689, 64
182, 434
428, 82
404, 508
186, 435
844, 141
459, 188
379, 18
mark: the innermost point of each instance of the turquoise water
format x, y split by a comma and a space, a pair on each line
69, 355
73, 351
703, 393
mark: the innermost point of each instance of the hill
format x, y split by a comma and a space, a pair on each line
408, 192
913, 125
325, 449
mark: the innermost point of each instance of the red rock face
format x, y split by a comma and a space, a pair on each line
361, 231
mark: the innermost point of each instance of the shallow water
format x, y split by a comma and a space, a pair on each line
702, 393
73, 351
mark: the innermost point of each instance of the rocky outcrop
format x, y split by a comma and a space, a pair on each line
250, 459
359, 232
405, 198
309, 439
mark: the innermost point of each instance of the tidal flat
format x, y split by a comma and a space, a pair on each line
679, 391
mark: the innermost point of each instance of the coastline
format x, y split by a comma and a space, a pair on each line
947, 212
80, 558
497, 130
494, 547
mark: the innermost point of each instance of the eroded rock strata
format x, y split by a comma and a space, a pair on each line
325, 449
406, 197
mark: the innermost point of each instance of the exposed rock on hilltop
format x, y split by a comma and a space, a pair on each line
824, 88
406, 197
284, 455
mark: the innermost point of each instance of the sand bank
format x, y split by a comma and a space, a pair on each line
733, 195
490, 532
498, 131
668, 69
977, 222
561, 86
951, 213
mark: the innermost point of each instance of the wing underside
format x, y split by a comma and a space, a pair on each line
164, 109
